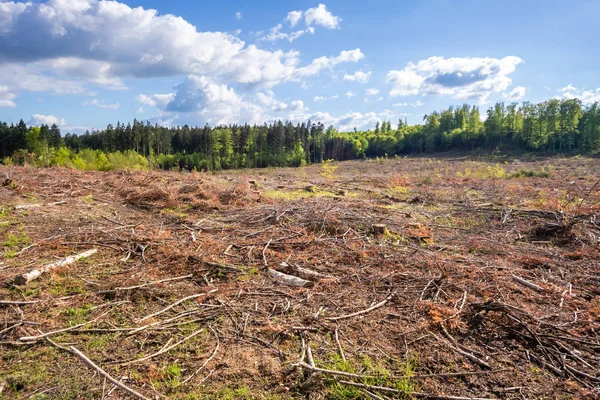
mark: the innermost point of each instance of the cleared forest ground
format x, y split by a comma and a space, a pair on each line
421, 278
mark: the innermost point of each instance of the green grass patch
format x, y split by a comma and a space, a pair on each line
379, 374
530, 173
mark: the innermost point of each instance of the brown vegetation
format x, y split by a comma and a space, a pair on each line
420, 277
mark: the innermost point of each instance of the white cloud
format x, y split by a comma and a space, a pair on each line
321, 63
276, 34
293, 17
318, 99
586, 96
156, 100
461, 78
40, 119
199, 100
358, 76
6, 97
417, 103
351, 120
517, 94
238, 15
95, 102
321, 16
104, 42
350, 94
371, 91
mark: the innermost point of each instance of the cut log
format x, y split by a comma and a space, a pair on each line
36, 273
289, 279
300, 272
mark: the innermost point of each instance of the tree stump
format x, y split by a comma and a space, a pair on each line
380, 229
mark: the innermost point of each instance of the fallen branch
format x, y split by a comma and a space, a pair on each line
36, 273
376, 306
44, 335
214, 353
528, 284
164, 349
106, 375
339, 345
418, 394
194, 296
17, 303
456, 374
122, 289
289, 279
333, 372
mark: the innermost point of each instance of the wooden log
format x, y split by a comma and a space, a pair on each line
289, 279
300, 272
23, 279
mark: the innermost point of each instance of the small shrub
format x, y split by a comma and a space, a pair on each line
530, 173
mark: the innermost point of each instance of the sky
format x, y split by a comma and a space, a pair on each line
83, 64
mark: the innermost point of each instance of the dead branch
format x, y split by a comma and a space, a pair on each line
36, 273
17, 303
418, 394
106, 375
376, 306
164, 349
339, 345
194, 296
528, 284
41, 336
332, 372
122, 289
214, 353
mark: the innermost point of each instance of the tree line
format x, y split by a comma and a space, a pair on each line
550, 126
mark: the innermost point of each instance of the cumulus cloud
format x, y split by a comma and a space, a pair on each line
461, 78
586, 96
321, 16
350, 94
200, 100
105, 42
318, 64
6, 97
358, 76
371, 91
238, 15
293, 17
417, 103
517, 94
95, 102
276, 34
351, 120
41, 119
156, 100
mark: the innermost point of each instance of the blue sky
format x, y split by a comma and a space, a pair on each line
86, 63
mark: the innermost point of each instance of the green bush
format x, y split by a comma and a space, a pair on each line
530, 173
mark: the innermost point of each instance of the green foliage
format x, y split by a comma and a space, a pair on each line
554, 126
530, 173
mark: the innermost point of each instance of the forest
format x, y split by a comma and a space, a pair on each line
554, 126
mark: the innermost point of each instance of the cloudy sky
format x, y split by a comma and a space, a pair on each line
86, 63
